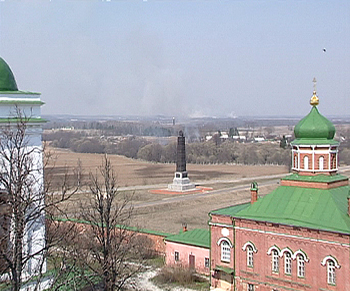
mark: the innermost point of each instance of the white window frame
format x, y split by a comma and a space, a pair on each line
321, 163
250, 248
225, 251
301, 265
331, 279
331, 274
250, 256
287, 263
306, 163
275, 261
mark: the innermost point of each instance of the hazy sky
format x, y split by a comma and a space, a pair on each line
181, 58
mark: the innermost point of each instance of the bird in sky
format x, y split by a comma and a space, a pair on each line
324, 50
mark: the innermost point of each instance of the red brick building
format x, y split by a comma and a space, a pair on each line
298, 236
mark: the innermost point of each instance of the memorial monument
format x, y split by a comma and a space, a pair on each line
181, 181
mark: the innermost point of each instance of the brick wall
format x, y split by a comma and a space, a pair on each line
315, 244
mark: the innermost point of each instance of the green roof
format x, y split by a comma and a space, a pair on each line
225, 269
7, 79
317, 178
314, 141
231, 210
19, 92
196, 237
314, 126
325, 209
23, 102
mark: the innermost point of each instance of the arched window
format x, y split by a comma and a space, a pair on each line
321, 163
334, 161
306, 163
332, 265
287, 263
275, 261
250, 248
331, 272
225, 251
295, 161
301, 265
250, 258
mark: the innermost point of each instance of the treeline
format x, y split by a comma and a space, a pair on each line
114, 128
198, 152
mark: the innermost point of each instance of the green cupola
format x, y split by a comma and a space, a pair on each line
314, 150
7, 79
314, 126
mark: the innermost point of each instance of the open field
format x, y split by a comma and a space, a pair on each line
132, 172
168, 217
167, 212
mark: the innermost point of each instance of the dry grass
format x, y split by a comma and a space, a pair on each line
132, 172
168, 217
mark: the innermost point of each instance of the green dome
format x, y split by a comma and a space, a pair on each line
314, 126
7, 79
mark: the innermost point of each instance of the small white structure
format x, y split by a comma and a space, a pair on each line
181, 182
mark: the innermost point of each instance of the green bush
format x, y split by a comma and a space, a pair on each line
179, 275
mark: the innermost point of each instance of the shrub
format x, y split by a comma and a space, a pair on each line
178, 274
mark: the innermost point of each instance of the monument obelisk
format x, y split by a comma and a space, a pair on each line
181, 181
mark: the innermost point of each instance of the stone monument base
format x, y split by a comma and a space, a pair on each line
181, 183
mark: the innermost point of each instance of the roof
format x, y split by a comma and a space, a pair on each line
314, 141
317, 178
19, 92
196, 237
231, 210
325, 209
224, 269
314, 126
7, 79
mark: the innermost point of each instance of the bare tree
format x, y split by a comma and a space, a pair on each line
23, 242
111, 252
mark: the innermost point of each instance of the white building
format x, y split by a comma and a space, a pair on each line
16, 108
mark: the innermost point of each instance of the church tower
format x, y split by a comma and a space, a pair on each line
314, 150
21, 137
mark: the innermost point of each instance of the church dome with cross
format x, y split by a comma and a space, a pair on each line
314, 149
314, 126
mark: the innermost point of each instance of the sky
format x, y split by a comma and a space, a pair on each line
180, 58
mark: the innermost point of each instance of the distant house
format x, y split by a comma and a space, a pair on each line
239, 138
189, 248
224, 135
259, 139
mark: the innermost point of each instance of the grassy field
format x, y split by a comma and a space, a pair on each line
168, 217
132, 172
